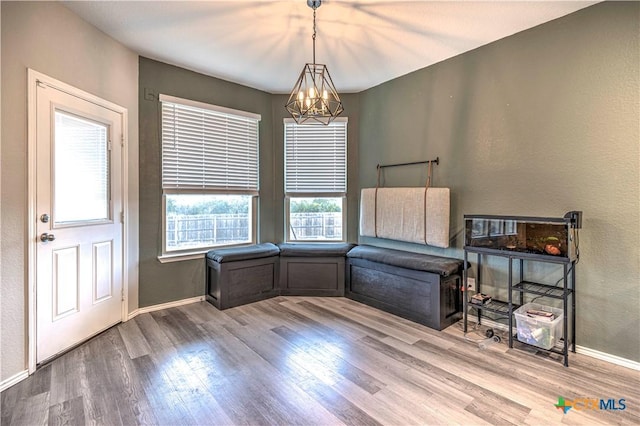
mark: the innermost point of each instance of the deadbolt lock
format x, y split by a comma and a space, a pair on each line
44, 218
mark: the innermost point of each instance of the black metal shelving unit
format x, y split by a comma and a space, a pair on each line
565, 292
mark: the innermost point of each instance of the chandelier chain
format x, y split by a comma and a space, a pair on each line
314, 36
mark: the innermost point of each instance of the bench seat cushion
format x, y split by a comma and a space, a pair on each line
234, 254
444, 266
314, 250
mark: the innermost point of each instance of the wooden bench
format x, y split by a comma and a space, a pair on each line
312, 269
239, 275
419, 287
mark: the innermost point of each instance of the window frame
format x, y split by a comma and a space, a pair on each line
288, 196
196, 253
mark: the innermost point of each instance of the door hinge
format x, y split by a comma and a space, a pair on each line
121, 217
122, 294
122, 139
109, 145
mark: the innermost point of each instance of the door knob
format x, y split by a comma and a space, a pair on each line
47, 237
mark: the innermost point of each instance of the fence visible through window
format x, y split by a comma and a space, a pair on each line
188, 231
315, 226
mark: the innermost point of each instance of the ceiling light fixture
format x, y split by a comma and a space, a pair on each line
314, 97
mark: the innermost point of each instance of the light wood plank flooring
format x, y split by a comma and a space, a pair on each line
305, 361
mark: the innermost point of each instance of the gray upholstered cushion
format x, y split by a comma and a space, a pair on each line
234, 254
314, 249
444, 266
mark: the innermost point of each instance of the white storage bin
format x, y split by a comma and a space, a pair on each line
539, 332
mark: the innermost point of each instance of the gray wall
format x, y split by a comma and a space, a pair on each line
537, 124
49, 38
165, 282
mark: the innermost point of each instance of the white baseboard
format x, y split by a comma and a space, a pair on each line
167, 305
18, 377
613, 359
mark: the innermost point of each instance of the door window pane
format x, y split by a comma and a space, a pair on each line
80, 170
196, 221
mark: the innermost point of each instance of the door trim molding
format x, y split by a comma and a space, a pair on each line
33, 79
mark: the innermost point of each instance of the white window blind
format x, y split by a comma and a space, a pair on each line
81, 149
208, 148
315, 157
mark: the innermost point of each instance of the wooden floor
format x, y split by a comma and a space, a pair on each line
304, 361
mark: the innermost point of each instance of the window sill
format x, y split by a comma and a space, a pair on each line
196, 254
168, 258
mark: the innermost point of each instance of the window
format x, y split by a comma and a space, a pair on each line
315, 180
209, 176
81, 149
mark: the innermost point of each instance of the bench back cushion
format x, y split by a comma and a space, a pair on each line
401, 214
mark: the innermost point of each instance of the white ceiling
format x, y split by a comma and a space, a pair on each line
264, 44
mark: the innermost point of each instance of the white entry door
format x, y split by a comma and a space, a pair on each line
79, 220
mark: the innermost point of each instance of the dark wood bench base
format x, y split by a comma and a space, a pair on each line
312, 269
239, 275
237, 283
419, 296
312, 276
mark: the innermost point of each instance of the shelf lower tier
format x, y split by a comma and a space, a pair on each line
541, 289
557, 349
495, 306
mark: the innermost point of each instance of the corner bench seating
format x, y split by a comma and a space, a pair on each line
419, 287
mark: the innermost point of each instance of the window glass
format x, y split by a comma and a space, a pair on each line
315, 219
193, 221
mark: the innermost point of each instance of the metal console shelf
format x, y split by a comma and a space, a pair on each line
525, 239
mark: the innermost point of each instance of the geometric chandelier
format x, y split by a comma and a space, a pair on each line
314, 97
